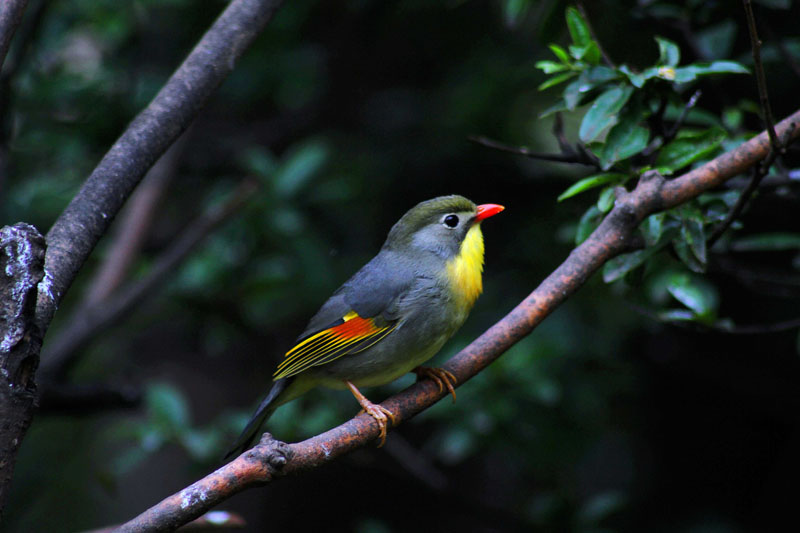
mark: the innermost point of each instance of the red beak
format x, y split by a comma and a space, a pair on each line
487, 210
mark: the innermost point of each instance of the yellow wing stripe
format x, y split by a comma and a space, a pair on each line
349, 316
327, 353
358, 345
300, 360
354, 334
308, 345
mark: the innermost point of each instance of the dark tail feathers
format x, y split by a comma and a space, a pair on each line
264, 411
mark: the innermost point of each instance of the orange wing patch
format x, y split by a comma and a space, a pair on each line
352, 335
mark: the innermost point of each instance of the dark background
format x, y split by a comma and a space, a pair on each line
348, 113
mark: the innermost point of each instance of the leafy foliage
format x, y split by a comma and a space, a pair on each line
624, 125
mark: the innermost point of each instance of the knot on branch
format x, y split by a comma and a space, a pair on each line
22, 250
271, 452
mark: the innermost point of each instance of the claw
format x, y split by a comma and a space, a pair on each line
381, 415
442, 377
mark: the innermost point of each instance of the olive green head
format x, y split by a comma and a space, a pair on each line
438, 225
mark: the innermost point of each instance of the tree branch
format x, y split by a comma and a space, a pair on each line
133, 226
76, 232
87, 322
271, 459
10, 14
21, 271
759, 171
755, 45
86, 399
564, 157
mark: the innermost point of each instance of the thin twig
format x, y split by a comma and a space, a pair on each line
738, 207
27, 30
673, 131
558, 133
761, 170
27, 33
574, 157
766, 110
651, 151
61, 351
758, 172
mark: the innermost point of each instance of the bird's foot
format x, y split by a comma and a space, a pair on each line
381, 415
442, 377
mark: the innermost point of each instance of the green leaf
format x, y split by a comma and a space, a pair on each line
636, 79
695, 294
588, 223
627, 138
167, 406
668, 52
767, 242
515, 10
300, 166
653, 227
722, 67
694, 235
603, 112
201, 445
691, 72
717, 41
592, 54
732, 117
573, 94
602, 506
595, 76
688, 148
676, 315
549, 67
258, 161
589, 53
555, 80
588, 80
555, 108
685, 254
606, 199
578, 28
590, 182
560, 53
617, 267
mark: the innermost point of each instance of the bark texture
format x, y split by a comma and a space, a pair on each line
22, 252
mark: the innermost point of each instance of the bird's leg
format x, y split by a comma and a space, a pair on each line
380, 414
442, 377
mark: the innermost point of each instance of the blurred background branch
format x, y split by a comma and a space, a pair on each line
74, 235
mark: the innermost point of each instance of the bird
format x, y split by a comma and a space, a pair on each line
392, 315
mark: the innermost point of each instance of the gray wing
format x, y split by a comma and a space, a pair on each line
356, 317
371, 292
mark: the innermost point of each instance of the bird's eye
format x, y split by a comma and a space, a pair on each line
451, 221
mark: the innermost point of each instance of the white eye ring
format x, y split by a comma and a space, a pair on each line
450, 221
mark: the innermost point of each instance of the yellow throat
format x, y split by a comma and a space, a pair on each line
465, 270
